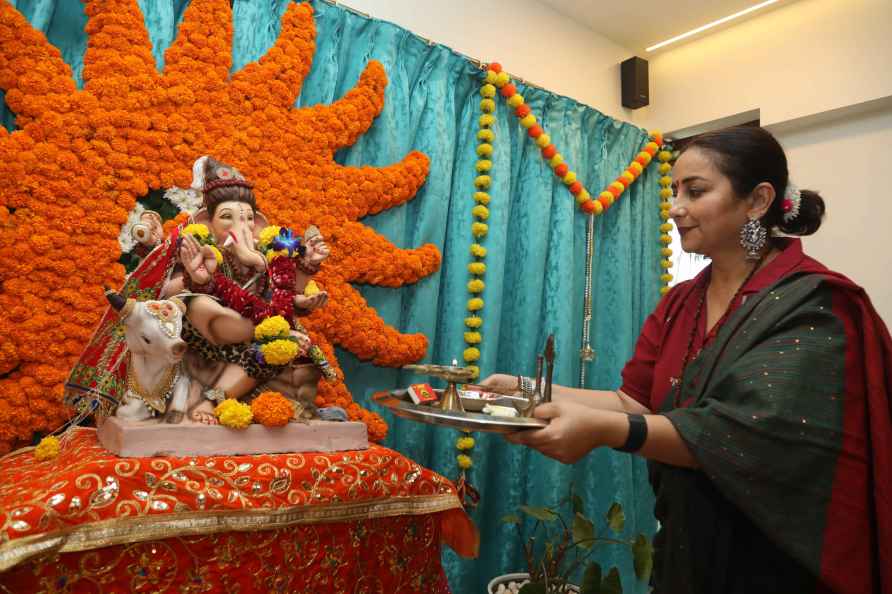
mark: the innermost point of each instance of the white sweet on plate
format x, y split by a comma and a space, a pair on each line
499, 411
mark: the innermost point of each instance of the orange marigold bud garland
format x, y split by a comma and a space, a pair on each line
495, 76
664, 157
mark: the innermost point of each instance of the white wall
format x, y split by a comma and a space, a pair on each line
817, 73
805, 58
529, 39
847, 161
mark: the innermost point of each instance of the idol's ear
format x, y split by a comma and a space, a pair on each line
202, 217
260, 223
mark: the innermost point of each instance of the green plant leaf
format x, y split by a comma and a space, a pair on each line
583, 531
577, 504
591, 579
540, 513
643, 553
511, 519
549, 552
616, 519
612, 584
533, 588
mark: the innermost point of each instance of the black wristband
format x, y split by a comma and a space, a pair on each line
637, 434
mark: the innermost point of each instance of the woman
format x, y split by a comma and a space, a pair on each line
759, 392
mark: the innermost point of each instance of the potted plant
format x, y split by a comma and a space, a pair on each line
561, 545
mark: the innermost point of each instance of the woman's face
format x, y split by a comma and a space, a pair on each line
705, 209
232, 218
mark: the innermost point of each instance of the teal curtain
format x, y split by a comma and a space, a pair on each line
536, 261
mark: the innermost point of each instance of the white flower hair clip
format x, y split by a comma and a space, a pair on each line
791, 202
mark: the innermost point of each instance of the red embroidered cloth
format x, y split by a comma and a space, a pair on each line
267, 514
398, 555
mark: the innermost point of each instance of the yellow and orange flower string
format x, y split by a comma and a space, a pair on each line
664, 157
467, 494
476, 270
477, 267
499, 82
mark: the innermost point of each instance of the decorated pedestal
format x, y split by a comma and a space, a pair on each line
145, 439
217, 473
321, 522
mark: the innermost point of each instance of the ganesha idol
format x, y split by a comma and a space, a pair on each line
211, 313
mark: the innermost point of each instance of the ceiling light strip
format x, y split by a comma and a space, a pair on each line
712, 24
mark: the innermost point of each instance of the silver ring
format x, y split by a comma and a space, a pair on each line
526, 385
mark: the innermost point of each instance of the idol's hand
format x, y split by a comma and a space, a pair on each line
303, 342
501, 382
317, 250
573, 430
194, 258
210, 259
311, 302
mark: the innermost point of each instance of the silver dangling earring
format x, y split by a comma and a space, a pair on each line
753, 236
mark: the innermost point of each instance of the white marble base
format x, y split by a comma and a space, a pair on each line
148, 439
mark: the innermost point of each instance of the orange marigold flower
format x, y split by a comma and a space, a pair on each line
272, 409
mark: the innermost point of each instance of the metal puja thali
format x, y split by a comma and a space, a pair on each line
400, 404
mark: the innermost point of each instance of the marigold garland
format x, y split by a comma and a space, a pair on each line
630, 174
468, 495
464, 445
497, 79
615, 189
80, 158
664, 156
272, 409
479, 229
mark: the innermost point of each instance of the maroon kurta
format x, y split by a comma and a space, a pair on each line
660, 350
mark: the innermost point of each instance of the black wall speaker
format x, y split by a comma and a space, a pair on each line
634, 83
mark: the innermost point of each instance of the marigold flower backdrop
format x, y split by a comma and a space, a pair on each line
66, 196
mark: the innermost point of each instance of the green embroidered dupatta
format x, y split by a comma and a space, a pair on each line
784, 462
